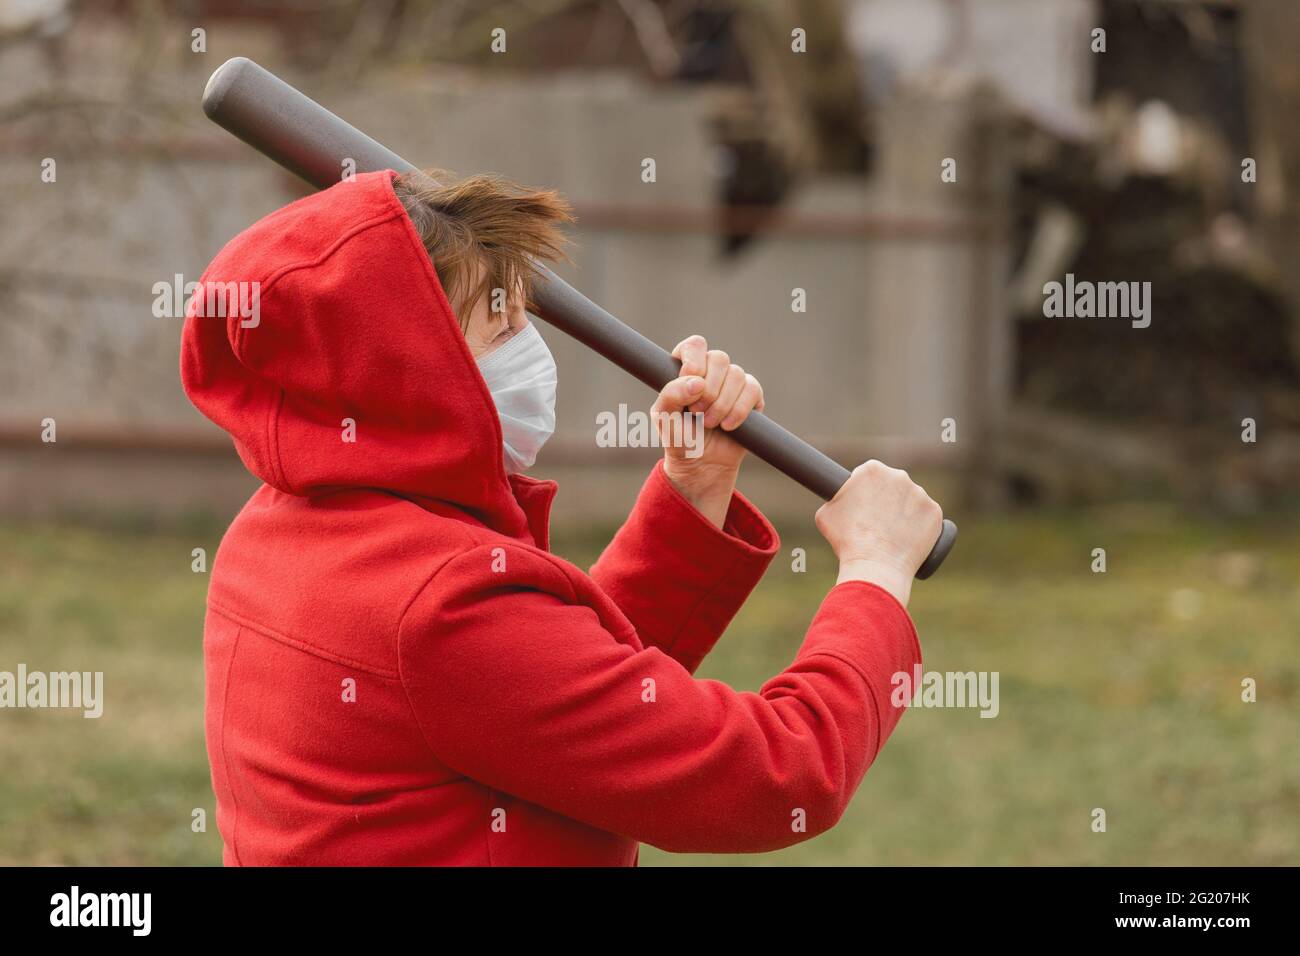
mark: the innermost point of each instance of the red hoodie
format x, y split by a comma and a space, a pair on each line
398, 669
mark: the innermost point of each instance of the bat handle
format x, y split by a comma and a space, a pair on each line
819, 473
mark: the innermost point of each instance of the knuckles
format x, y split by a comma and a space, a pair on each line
820, 519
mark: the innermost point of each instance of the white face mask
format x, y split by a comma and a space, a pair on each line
521, 377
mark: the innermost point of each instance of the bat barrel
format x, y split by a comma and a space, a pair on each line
305, 138
289, 127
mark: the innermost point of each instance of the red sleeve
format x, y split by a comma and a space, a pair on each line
676, 576
525, 692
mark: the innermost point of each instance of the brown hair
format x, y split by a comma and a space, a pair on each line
482, 219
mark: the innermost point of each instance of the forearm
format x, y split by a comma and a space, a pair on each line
680, 576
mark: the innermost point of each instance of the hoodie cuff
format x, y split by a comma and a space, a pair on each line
678, 577
745, 531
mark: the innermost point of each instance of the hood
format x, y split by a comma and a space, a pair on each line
353, 328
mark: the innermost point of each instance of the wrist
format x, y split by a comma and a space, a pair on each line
707, 489
887, 576
700, 478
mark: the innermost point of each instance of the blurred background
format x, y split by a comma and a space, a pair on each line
911, 173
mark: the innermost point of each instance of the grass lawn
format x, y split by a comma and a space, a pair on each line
1119, 690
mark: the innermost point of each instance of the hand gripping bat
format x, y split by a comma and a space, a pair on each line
310, 141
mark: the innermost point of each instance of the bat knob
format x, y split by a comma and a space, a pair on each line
947, 538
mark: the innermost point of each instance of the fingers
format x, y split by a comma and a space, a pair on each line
679, 393
733, 383
715, 375
750, 398
729, 393
906, 496
692, 351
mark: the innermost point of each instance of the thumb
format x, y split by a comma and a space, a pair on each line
679, 393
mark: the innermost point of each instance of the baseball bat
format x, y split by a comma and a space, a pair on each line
311, 142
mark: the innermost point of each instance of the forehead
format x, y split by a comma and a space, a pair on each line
477, 274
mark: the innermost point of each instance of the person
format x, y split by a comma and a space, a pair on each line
399, 671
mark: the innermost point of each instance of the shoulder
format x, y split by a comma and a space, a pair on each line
486, 565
